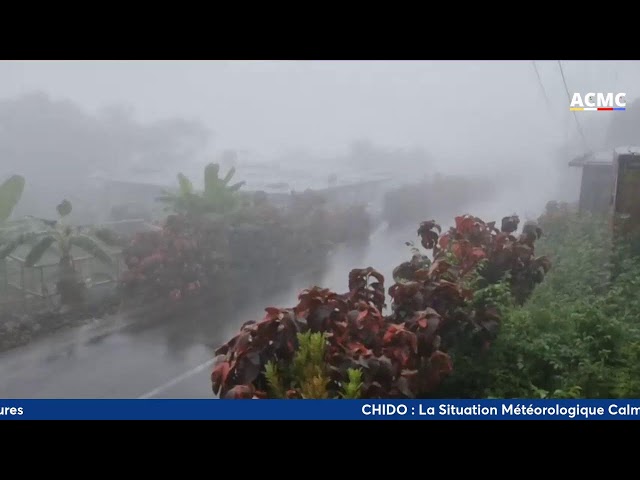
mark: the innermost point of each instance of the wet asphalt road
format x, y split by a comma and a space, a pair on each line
171, 359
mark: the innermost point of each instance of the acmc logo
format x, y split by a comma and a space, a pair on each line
598, 101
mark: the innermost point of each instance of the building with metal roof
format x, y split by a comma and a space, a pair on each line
596, 186
598, 177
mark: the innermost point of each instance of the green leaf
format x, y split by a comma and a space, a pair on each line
38, 250
186, 187
10, 193
91, 246
30, 238
107, 236
229, 175
7, 248
274, 380
237, 186
211, 179
64, 208
352, 388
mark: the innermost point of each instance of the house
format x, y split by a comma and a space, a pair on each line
596, 188
626, 207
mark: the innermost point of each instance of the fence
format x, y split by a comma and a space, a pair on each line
26, 288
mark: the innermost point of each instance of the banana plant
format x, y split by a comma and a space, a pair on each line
217, 191
218, 195
57, 235
10, 193
186, 200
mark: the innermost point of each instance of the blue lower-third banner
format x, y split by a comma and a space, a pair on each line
155, 409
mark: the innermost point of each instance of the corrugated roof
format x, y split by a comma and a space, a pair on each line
594, 158
603, 158
628, 149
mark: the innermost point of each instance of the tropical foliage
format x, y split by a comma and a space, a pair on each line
218, 195
172, 263
578, 334
254, 246
58, 236
10, 193
438, 305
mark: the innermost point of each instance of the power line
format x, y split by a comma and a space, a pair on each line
564, 81
544, 92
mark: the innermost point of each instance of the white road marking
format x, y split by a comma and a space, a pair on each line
178, 379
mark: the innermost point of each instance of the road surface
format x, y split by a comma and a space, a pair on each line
115, 359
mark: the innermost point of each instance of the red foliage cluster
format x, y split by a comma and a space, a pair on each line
401, 355
220, 257
165, 263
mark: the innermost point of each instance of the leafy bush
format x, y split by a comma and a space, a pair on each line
577, 336
167, 264
437, 305
254, 247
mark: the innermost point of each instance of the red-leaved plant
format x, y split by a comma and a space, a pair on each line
169, 263
403, 354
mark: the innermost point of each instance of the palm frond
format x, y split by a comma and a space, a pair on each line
237, 186
8, 247
10, 194
211, 178
229, 175
186, 187
10, 242
38, 250
92, 246
107, 236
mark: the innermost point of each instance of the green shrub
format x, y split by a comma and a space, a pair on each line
223, 245
450, 304
578, 336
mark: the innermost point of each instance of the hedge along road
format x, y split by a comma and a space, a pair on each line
171, 359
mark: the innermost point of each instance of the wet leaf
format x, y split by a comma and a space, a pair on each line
404, 352
240, 392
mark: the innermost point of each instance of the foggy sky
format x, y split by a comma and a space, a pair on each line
451, 108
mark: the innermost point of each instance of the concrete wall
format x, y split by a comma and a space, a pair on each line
596, 189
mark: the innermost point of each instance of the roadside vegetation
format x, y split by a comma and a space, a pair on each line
578, 335
446, 299
546, 309
222, 242
211, 248
481, 316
